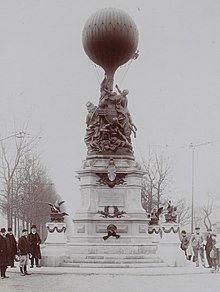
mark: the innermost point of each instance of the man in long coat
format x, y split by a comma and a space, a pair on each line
34, 242
13, 247
4, 253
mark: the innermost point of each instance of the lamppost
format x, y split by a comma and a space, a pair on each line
193, 146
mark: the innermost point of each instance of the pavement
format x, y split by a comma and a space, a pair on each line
65, 279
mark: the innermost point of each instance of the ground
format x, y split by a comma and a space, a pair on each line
108, 280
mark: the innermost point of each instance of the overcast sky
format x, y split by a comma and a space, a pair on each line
46, 79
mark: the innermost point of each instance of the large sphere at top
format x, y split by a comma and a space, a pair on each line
110, 38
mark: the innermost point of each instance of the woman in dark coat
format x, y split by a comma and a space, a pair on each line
34, 242
4, 252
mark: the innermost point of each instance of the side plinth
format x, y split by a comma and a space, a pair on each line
169, 246
54, 248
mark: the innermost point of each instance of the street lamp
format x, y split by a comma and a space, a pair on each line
193, 146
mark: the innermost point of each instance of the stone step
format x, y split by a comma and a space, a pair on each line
112, 261
112, 265
114, 256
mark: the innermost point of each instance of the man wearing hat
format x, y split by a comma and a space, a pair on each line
13, 247
4, 252
34, 241
24, 251
197, 241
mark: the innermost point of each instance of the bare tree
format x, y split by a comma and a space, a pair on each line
183, 212
202, 215
10, 159
25, 185
155, 182
35, 190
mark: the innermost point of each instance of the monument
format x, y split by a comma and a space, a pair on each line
111, 227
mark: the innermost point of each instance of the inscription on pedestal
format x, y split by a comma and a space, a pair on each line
101, 228
111, 198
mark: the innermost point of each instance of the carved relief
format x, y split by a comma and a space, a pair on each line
111, 231
106, 214
104, 179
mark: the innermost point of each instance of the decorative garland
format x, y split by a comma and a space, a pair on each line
51, 230
157, 229
170, 229
154, 229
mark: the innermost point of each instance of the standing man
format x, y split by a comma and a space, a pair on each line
185, 240
13, 247
208, 247
34, 241
24, 251
4, 253
197, 245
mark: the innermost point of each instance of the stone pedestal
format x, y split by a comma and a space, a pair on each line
54, 249
169, 247
99, 188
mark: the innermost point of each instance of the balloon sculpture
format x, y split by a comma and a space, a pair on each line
110, 39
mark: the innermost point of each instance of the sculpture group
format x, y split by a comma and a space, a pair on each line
109, 125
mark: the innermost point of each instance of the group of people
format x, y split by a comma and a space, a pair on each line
27, 247
197, 247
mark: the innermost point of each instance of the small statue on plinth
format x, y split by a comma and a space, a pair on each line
171, 215
155, 216
56, 214
112, 231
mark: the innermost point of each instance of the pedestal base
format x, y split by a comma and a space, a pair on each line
112, 253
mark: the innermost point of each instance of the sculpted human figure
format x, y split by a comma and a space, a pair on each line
105, 87
91, 113
93, 127
124, 114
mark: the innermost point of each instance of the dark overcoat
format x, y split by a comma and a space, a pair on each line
208, 245
23, 245
12, 244
34, 242
4, 251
